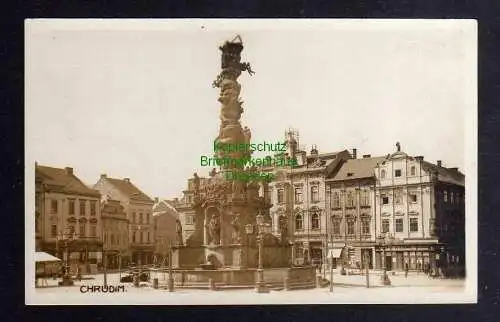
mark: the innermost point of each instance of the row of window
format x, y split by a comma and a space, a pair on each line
112, 238
336, 198
350, 225
398, 197
54, 206
298, 195
82, 229
400, 225
453, 197
141, 236
141, 218
350, 199
398, 172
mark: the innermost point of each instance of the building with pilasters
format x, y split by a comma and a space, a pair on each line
298, 198
350, 208
139, 209
115, 234
419, 215
68, 218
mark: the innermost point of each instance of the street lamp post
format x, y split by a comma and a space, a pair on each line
248, 231
66, 238
170, 276
261, 285
331, 274
367, 271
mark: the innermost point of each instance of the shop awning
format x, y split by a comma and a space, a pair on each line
42, 257
334, 253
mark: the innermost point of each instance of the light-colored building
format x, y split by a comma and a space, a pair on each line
298, 197
115, 234
168, 229
419, 214
184, 206
69, 218
139, 209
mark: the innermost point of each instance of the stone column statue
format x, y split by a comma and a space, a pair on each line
214, 229
178, 232
236, 234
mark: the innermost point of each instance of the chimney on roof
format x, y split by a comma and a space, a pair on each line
439, 163
366, 156
126, 179
103, 176
419, 158
69, 171
156, 199
354, 153
314, 151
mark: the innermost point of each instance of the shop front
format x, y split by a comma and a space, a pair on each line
395, 257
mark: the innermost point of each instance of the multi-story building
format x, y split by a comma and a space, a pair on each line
168, 229
115, 233
69, 218
350, 209
298, 197
39, 212
184, 207
419, 214
139, 209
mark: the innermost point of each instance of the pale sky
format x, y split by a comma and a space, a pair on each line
134, 98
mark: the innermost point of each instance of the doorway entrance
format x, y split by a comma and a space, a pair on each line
388, 263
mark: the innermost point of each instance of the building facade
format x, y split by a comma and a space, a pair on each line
420, 215
69, 225
350, 208
115, 234
139, 210
168, 230
298, 198
184, 207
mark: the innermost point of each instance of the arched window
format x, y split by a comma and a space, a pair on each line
315, 221
298, 222
382, 174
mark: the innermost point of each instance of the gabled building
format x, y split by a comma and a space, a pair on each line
139, 210
420, 214
68, 218
168, 229
184, 207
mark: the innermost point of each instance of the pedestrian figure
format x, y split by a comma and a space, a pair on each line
406, 270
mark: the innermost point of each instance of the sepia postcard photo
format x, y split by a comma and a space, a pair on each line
250, 161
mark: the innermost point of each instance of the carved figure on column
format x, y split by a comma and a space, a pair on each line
236, 235
178, 232
214, 229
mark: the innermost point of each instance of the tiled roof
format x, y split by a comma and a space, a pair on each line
64, 181
162, 207
357, 169
445, 174
129, 189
